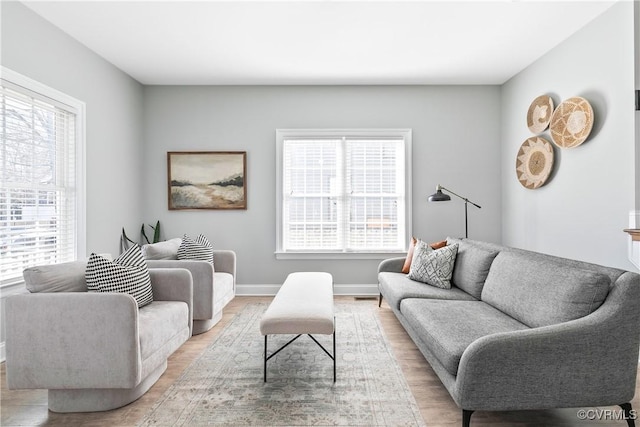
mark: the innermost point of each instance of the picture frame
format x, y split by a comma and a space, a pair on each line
207, 180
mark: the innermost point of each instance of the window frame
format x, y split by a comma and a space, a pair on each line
283, 134
29, 87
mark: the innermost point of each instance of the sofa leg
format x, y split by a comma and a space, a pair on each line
629, 414
380, 300
466, 417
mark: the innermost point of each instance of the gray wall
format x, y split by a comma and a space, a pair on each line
456, 134
33, 47
582, 211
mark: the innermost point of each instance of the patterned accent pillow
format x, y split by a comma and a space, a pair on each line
198, 249
433, 267
407, 262
127, 274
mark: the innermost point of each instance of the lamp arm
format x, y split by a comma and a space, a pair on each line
459, 196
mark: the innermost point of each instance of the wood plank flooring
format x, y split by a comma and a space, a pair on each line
29, 407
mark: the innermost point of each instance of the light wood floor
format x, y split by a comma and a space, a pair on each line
29, 407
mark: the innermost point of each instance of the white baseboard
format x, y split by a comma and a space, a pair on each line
3, 352
339, 289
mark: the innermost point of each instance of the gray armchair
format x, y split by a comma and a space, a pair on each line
213, 285
93, 351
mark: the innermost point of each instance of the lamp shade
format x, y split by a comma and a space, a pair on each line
439, 196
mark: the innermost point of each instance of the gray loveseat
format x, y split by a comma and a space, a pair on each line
93, 351
523, 330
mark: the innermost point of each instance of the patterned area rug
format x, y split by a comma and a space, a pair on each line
225, 385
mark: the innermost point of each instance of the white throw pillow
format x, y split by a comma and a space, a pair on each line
433, 267
162, 250
127, 274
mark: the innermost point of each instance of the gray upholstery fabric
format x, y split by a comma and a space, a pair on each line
591, 361
225, 289
397, 286
393, 265
472, 266
451, 326
92, 335
213, 285
94, 342
162, 250
611, 272
64, 277
82, 400
158, 323
538, 293
203, 283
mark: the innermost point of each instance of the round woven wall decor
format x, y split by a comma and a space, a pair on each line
534, 162
571, 123
539, 114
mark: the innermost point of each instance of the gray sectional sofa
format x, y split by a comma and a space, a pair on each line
523, 330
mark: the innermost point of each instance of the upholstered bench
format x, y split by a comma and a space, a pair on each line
303, 305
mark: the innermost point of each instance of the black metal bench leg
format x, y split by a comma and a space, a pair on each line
380, 300
466, 417
629, 414
334, 352
265, 358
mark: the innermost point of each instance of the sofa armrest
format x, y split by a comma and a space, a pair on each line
72, 340
173, 284
591, 361
203, 286
392, 265
224, 261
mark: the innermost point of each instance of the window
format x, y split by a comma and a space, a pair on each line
343, 192
41, 184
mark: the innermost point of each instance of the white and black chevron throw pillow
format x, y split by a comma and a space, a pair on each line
127, 274
198, 249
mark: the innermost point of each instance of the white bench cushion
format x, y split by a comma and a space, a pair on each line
303, 305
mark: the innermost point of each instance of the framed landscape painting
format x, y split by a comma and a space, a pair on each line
207, 179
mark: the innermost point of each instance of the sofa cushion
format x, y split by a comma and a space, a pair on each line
433, 267
158, 322
64, 277
128, 273
472, 266
447, 328
540, 292
397, 286
162, 250
196, 249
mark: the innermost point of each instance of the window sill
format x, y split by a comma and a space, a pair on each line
337, 255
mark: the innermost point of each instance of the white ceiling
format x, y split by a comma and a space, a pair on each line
320, 42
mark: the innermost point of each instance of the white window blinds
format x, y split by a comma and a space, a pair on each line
344, 193
38, 221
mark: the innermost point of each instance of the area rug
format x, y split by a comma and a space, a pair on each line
225, 385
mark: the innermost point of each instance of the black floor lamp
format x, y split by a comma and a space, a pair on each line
439, 196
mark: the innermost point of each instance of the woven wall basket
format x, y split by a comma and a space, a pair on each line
539, 114
571, 122
534, 162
